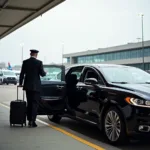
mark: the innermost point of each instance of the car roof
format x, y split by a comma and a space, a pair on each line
99, 65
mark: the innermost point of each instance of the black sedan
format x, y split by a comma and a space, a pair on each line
115, 98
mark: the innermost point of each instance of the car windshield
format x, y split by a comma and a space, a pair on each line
125, 74
52, 74
9, 73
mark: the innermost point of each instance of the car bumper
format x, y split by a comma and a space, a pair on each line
1, 81
138, 121
9, 81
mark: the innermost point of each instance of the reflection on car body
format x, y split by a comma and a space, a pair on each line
116, 98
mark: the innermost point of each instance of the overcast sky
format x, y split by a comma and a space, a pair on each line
81, 25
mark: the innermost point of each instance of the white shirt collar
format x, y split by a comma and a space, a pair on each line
33, 57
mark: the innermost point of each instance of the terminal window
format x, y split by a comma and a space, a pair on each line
128, 54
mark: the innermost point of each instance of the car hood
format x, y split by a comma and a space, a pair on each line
141, 89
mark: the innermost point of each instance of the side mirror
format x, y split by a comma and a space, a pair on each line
1, 74
91, 81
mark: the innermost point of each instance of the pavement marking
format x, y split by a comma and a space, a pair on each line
96, 147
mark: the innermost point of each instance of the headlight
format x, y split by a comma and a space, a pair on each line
137, 102
147, 103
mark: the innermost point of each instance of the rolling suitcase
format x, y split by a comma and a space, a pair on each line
18, 111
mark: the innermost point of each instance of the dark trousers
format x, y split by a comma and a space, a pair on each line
32, 104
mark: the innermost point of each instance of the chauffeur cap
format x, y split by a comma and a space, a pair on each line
34, 51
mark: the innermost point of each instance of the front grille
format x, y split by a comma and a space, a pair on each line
11, 78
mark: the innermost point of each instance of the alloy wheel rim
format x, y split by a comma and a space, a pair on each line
112, 126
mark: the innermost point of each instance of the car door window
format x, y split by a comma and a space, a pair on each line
78, 74
77, 71
53, 73
90, 73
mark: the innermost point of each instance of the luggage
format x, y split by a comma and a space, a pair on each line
18, 111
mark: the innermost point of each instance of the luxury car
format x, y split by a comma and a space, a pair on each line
116, 98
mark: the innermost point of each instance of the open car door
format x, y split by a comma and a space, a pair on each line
53, 90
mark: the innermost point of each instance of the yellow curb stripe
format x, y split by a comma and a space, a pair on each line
96, 147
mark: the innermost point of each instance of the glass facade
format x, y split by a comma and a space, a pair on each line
68, 60
128, 54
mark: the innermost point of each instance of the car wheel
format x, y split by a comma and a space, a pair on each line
54, 118
1, 82
114, 126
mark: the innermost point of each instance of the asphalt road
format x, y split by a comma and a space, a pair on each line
74, 128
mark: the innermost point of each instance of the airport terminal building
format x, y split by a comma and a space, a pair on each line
130, 54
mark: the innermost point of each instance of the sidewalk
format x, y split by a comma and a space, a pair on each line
40, 138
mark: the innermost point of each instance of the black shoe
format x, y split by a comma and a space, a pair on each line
33, 125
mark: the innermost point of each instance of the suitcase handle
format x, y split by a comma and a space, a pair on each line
18, 92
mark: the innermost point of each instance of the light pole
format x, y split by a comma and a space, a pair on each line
142, 15
22, 44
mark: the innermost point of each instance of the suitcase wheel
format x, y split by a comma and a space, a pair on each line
22, 125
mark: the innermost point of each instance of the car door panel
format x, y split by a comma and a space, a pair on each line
81, 109
93, 94
93, 103
52, 94
90, 106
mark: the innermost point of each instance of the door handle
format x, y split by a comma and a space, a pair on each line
79, 88
60, 86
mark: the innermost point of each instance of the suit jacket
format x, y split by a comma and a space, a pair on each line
31, 71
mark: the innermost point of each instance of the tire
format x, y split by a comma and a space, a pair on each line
54, 118
114, 125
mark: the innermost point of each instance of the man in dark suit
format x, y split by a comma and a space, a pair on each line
31, 71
